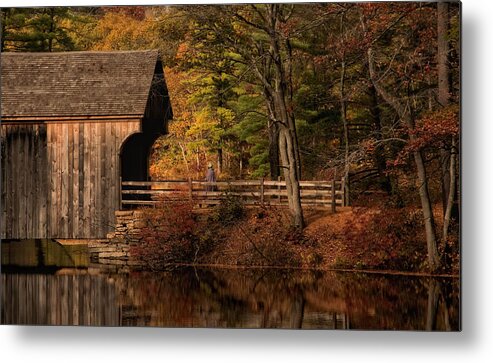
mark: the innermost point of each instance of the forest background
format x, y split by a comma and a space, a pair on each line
368, 92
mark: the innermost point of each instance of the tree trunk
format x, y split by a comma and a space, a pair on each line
444, 87
450, 200
274, 150
432, 306
346, 132
274, 71
429, 221
288, 140
184, 156
406, 118
297, 310
379, 156
342, 99
219, 160
290, 175
444, 95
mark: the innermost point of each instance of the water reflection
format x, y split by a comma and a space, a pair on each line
230, 298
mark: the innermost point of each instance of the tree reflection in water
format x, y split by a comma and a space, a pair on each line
243, 298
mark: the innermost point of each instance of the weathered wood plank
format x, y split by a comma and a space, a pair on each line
105, 178
36, 181
113, 183
70, 182
75, 181
92, 180
82, 212
64, 194
45, 187
98, 129
250, 191
87, 180
17, 185
304, 193
50, 130
6, 180
59, 171
3, 181
30, 182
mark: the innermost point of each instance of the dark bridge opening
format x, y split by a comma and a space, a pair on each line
134, 157
134, 162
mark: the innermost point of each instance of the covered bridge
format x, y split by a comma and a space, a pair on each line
72, 126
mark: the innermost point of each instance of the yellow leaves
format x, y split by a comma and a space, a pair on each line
117, 31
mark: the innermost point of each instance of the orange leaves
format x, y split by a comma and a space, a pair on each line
433, 130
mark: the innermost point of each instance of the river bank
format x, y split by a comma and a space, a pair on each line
369, 239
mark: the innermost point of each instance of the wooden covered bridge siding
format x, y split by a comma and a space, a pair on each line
60, 179
74, 124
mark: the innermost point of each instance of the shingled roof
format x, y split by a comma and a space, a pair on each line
76, 83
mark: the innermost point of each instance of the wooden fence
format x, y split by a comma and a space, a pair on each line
252, 192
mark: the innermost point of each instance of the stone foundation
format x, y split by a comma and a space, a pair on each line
115, 249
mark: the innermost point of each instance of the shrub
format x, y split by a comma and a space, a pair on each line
272, 241
170, 236
386, 239
231, 208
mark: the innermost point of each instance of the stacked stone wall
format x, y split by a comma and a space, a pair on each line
115, 249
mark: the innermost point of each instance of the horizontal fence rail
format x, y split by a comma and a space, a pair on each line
252, 192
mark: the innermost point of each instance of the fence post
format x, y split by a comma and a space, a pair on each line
334, 194
279, 189
190, 186
262, 191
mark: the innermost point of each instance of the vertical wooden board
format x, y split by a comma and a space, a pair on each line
112, 179
13, 186
65, 181
99, 129
30, 181
75, 181
17, 195
104, 178
11, 175
49, 179
2, 182
57, 207
115, 175
87, 179
45, 187
6, 181
75, 306
81, 212
54, 207
36, 181
4, 163
26, 175
92, 183
70, 182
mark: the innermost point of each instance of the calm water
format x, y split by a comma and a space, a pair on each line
46, 283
